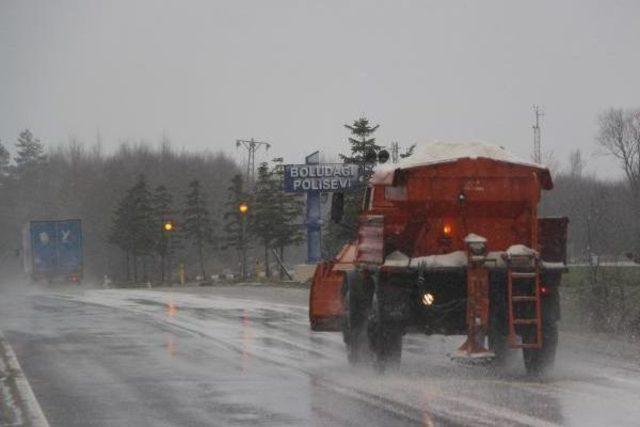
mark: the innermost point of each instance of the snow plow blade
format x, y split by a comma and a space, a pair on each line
326, 306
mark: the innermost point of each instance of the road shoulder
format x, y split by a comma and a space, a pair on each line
18, 403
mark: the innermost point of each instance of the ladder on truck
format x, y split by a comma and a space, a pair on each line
525, 311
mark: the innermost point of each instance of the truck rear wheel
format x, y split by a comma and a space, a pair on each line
355, 321
498, 328
498, 340
540, 361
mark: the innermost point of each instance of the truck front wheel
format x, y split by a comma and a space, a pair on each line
355, 320
385, 338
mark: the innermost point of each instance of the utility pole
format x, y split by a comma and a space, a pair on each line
395, 152
537, 147
314, 218
251, 146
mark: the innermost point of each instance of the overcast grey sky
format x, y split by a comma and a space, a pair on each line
292, 72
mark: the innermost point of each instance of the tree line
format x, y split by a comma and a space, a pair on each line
123, 198
272, 223
122, 210
604, 214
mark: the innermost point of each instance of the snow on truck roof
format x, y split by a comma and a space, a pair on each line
435, 153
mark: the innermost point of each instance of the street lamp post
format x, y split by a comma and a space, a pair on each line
168, 228
244, 208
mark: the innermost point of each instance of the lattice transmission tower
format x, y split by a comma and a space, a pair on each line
537, 143
251, 146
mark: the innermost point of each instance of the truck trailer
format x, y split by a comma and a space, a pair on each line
52, 251
449, 242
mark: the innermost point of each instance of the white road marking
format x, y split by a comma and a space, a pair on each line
30, 408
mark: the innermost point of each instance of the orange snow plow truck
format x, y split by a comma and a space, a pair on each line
449, 242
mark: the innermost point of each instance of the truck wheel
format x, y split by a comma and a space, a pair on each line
498, 340
498, 332
540, 361
355, 321
385, 339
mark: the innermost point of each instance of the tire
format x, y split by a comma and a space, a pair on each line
498, 331
355, 322
540, 361
385, 339
498, 340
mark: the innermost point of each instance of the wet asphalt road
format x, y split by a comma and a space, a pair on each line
245, 356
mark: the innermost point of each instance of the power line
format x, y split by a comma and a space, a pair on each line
395, 152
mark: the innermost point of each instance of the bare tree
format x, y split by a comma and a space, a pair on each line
619, 135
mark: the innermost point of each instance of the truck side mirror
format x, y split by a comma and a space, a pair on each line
337, 207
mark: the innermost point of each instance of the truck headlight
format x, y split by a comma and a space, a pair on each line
428, 299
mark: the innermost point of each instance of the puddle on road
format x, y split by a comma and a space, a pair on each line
171, 346
284, 345
171, 309
264, 316
243, 414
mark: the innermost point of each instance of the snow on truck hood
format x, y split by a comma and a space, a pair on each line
438, 152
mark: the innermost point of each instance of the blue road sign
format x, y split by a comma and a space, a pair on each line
321, 177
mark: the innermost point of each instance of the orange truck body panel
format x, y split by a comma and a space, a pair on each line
429, 210
494, 199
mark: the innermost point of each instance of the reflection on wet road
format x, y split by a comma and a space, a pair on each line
220, 357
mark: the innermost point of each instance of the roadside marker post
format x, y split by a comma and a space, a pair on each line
181, 273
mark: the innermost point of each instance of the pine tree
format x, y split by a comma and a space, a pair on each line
364, 152
143, 221
289, 229
162, 203
266, 211
133, 227
276, 214
5, 192
5, 159
197, 224
121, 233
30, 151
232, 216
29, 169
